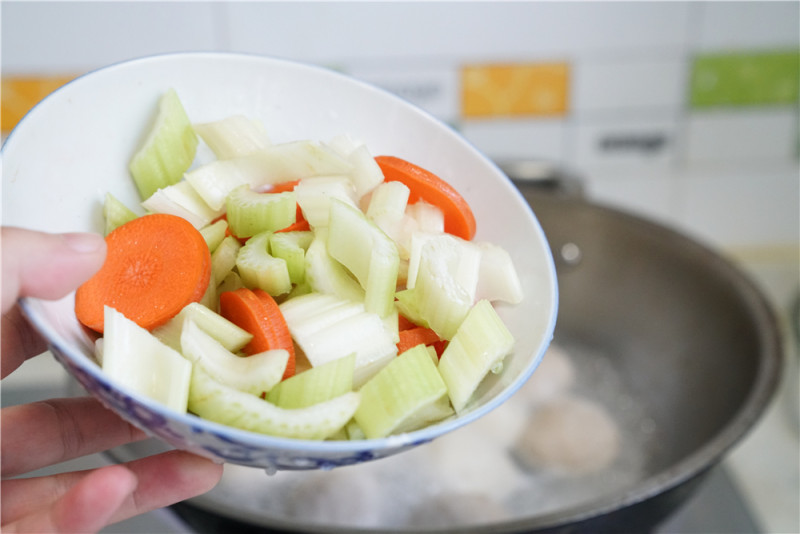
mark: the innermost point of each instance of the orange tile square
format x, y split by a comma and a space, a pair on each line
521, 89
18, 94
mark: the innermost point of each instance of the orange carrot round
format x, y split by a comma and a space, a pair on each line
411, 337
257, 312
156, 264
283, 187
424, 185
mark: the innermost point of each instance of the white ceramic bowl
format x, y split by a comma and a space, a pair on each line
75, 145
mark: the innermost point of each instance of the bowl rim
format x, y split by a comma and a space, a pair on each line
264, 440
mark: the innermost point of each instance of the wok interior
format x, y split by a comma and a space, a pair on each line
665, 311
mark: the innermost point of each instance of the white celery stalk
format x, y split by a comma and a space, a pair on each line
233, 136
167, 151
215, 180
314, 196
255, 374
478, 347
135, 358
366, 174
214, 234
182, 200
367, 252
427, 217
444, 286
315, 385
407, 394
217, 402
291, 247
115, 213
271, 165
498, 278
231, 282
337, 328
223, 259
259, 269
250, 213
461, 259
326, 275
232, 337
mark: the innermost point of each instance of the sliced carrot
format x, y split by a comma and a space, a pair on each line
412, 337
403, 323
257, 312
156, 264
300, 225
424, 185
283, 187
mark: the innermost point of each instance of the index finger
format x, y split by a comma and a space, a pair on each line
42, 265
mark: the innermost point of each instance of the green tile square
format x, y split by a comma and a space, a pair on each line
745, 79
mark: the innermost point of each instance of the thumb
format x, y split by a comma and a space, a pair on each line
47, 266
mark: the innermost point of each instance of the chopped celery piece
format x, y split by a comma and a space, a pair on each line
427, 217
115, 213
366, 174
326, 275
223, 259
443, 288
315, 385
388, 202
314, 197
461, 259
217, 402
231, 282
182, 200
303, 288
225, 332
214, 233
259, 269
135, 358
354, 431
407, 394
167, 151
498, 278
407, 304
479, 346
233, 136
367, 252
327, 328
210, 298
215, 180
386, 208
291, 247
250, 213
391, 322
271, 165
255, 374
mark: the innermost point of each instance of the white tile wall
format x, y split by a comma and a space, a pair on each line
732, 137
73, 37
504, 139
742, 25
615, 84
431, 85
629, 64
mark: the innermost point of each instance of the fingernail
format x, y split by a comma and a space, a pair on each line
83, 242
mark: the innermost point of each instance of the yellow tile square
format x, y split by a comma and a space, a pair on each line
519, 89
18, 94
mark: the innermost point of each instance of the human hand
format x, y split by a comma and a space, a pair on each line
45, 433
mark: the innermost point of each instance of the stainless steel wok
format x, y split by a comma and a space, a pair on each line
691, 339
